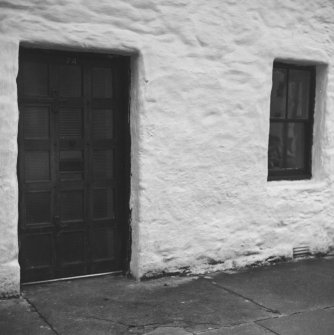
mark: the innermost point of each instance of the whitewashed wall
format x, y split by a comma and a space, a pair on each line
200, 121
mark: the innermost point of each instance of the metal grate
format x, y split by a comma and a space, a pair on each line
299, 252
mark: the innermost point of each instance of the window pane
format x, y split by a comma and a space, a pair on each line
275, 152
278, 93
295, 150
102, 82
298, 98
36, 122
34, 79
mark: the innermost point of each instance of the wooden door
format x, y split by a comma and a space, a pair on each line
73, 165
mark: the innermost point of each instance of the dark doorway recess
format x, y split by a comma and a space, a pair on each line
73, 165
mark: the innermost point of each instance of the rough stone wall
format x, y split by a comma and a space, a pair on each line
199, 121
9, 267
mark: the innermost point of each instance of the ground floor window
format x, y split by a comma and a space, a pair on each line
291, 122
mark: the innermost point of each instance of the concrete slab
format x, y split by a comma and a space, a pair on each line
287, 288
247, 329
88, 326
309, 323
132, 307
18, 317
215, 304
168, 331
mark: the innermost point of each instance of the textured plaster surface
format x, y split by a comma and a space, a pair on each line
199, 123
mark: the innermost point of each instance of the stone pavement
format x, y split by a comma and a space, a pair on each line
288, 298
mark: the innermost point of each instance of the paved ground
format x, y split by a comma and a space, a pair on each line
289, 298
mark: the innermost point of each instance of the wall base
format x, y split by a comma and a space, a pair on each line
9, 280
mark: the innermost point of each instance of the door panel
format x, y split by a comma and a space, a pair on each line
37, 165
38, 208
70, 123
70, 80
72, 247
39, 71
103, 162
103, 203
102, 82
102, 250
102, 124
38, 258
70, 177
36, 121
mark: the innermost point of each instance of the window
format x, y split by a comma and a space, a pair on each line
291, 122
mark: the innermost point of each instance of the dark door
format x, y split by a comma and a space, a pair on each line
73, 165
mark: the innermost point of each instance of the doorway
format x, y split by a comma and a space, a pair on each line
73, 164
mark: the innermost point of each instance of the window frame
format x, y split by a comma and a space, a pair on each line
306, 171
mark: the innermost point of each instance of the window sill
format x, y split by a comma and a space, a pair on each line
295, 177
298, 185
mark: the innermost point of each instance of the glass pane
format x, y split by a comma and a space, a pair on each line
37, 165
34, 79
36, 122
298, 98
102, 164
70, 123
102, 82
278, 94
38, 208
103, 244
103, 203
70, 81
72, 247
102, 124
275, 151
71, 206
37, 250
295, 151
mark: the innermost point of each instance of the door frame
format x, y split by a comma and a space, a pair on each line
126, 150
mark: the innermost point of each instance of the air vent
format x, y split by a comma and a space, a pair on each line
300, 252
